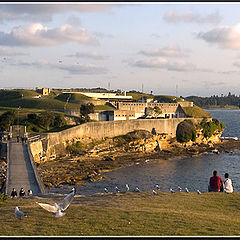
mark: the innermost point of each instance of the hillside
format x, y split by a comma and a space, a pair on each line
128, 214
196, 112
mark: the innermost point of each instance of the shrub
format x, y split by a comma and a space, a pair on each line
186, 132
3, 197
210, 127
7, 119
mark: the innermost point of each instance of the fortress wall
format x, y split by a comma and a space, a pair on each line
100, 130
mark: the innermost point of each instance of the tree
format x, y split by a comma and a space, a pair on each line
157, 111
86, 109
6, 120
185, 132
46, 119
59, 121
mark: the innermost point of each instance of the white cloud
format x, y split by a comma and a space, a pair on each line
76, 69
224, 36
10, 52
162, 63
190, 17
38, 35
170, 51
91, 55
45, 11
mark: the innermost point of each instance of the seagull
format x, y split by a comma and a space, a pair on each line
61, 207
117, 189
198, 192
19, 214
127, 188
179, 189
106, 190
186, 190
147, 160
171, 190
137, 189
154, 192
157, 187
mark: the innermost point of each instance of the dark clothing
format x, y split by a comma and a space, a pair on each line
22, 193
215, 182
14, 193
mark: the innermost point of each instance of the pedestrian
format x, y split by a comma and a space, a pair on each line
14, 193
228, 184
22, 193
215, 183
29, 192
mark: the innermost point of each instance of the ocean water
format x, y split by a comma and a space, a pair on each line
193, 172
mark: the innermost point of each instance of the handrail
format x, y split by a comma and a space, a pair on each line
36, 172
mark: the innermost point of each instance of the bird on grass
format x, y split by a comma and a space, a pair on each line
157, 187
127, 188
179, 189
19, 214
106, 190
198, 192
59, 209
171, 190
154, 192
186, 190
137, 189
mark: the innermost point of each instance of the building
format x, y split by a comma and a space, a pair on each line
43, 91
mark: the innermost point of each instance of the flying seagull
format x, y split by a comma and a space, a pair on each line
186, 190
154, 192
19, 214
61, 207
198, 192
171, 190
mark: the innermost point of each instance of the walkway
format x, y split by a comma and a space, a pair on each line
21, 173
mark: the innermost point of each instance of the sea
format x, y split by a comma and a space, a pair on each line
190, 172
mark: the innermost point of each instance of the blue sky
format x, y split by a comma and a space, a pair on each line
160, 45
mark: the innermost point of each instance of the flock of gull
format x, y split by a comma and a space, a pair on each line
154, 191
58, 209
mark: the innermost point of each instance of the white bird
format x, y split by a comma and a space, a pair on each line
147, 160
127, 188
19, 214
61, 207
106, 190
179, 189
137, 189
171, 190
157, 187
154, 192
186, 190
117, 189
198, 192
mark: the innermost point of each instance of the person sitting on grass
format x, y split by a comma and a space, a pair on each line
228, 184
216, 184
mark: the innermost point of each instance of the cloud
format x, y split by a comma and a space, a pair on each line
91, 55
76, 69
170, 51
38, 35
44, 12
224, 36
190, 17
10, 52
162, 63
103, 35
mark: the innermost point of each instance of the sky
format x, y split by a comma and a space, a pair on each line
181, 49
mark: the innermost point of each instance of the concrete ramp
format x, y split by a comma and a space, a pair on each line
20, 170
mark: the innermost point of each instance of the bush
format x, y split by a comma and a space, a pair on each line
76, 148
186, 132
210, 127
3, 197
6, 120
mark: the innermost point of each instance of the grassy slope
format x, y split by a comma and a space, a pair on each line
131, 214
196, 112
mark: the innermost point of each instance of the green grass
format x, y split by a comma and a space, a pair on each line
138, 95
103, 107
196, 112
129, 214
75, 97
166, 98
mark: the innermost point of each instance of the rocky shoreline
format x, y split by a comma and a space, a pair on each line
76, 170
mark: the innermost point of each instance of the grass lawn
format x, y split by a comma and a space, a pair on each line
128, 214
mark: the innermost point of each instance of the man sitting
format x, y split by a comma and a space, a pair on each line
228, 184
215, 183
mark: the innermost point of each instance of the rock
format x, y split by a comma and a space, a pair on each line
108, 158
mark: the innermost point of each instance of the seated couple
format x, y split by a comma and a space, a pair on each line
216, 184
